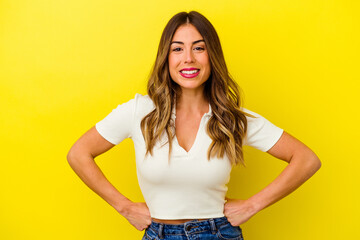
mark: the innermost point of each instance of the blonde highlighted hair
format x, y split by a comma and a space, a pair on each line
228, 124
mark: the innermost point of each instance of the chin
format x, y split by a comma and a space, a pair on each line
190, 86
188, 83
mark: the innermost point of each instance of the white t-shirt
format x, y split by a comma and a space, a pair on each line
190, 186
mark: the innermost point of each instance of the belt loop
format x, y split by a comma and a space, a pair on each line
213, 226
161, 230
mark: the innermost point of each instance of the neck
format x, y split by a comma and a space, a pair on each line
192, 102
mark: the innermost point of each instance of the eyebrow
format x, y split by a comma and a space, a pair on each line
201, 40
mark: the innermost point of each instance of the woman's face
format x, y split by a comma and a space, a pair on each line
189, 63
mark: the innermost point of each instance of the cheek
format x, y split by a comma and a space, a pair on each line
172, 57
206, 64
204, 59
172, 64
172, 67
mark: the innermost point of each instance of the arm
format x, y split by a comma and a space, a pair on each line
81, 159
303, 163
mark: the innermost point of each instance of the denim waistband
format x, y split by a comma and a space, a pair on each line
189, 227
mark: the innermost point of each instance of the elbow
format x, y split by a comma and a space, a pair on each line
314, 163
309, 161
76, 157
318, 163
70, 157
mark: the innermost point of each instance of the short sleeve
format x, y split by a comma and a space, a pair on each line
261, 133
118, 124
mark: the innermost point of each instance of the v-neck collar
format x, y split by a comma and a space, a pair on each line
198, 134
173, 114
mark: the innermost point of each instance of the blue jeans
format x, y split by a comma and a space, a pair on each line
211, 229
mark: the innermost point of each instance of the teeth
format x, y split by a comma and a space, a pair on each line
190, 72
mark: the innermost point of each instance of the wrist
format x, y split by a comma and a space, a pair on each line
123, 207
253, 206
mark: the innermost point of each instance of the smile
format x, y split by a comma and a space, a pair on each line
190, 74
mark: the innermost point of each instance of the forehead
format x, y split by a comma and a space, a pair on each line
187, 33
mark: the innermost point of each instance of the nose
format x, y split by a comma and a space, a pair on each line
189, 56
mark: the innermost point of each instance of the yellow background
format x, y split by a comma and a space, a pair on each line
64, 65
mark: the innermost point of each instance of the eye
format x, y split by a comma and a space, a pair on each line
176, 49
199, 48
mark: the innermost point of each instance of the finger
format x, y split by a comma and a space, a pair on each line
148, 222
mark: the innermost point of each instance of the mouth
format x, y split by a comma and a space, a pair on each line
190, 73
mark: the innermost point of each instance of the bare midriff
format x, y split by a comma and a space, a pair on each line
177, 221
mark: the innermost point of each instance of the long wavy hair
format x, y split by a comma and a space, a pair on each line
227, 126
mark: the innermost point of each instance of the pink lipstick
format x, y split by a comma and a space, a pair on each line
189, 72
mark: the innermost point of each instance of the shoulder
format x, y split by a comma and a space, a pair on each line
251, 117
261, 133
120, 122
143, 100
143, 104
255, 120
137, 106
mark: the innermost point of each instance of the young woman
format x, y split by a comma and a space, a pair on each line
188, 133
